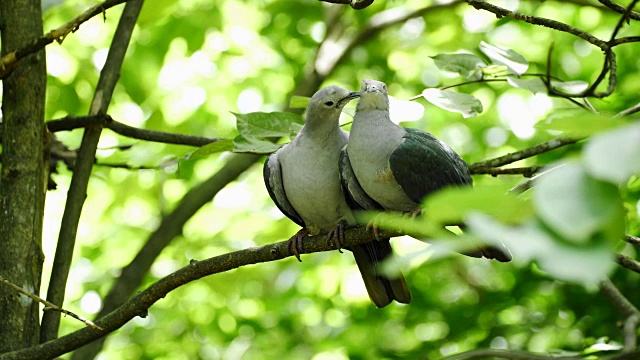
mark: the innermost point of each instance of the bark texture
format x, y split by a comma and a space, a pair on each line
22, 180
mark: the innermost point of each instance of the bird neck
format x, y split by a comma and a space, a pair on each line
373, 121
320, 127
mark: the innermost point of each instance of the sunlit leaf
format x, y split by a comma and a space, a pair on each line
452, 205
533, 242
299, 102
575, 205
464, 64
214, 147
578, 123
614, 156
467, 105
515, 62
570, 86
535, 85
254, 145
261, 124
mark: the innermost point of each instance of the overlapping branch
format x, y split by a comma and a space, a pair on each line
139, 304
11, 60
610, 65
48, 305
105, 121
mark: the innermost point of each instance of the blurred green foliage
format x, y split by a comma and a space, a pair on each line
192, 64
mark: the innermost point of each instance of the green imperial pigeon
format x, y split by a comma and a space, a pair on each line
389, 167
303, 180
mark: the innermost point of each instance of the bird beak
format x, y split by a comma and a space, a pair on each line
352, 95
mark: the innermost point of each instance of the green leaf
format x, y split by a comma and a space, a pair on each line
214, 147
535, 85
299, 102
532, 241
261, 124
466, 65
577, 206
515, 62
254, 145
578, 123
452, 205
467, 105
570, 86
614, 156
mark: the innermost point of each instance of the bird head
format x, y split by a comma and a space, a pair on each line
373, 95
329, 101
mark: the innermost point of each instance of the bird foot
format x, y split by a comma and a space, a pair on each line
296, 241
414, 214
373, 225
337, 233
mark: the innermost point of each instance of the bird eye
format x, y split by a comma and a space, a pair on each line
329, 103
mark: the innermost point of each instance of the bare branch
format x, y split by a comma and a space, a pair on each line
623, 305
82, 168
139, 304
11, 60
619, 8
506, 354
48, 305
628, 263
105, 121
494, 171
635, 241
625, 18
523, 355
632, 110
524, 154
553, 24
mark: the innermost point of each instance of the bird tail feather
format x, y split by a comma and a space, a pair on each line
382, 289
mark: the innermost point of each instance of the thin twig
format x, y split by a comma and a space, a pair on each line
624, 306
529, 183
48, 305
505, 354
524, 154
11, 60
626, 112
633, 240
625, 16
619, 8
105, 121
494, 171
523, 355
553, 24
628, 263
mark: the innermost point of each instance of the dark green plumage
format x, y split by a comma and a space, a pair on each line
423, 164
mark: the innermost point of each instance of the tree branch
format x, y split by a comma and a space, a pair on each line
11, 60
82, 170
628, 263
549, 23
635, 241
141, 302
523, 355
619, 9
105, 121
524, 154
48, 305
493, 171
624, 306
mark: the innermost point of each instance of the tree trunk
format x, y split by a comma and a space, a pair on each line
22, 181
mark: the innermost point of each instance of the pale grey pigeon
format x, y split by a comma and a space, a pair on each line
389, 167
303, 180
